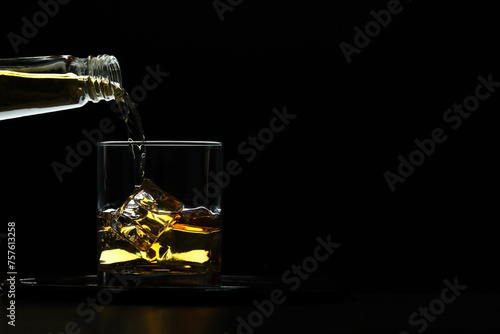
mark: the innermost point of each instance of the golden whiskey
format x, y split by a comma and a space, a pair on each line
153, 232
25, 94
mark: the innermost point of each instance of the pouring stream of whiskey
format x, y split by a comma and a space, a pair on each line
135, 131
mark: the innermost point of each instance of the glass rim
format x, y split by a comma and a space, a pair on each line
195, 143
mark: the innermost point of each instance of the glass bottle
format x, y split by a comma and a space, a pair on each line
36, 85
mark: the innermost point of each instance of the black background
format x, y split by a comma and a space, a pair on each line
322, 175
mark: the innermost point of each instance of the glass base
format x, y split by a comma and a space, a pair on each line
126, 279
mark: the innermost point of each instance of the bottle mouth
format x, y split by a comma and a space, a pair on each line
105, 67
104, 71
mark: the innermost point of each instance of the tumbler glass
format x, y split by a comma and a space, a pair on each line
167, 230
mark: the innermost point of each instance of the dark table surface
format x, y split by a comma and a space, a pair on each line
263, 308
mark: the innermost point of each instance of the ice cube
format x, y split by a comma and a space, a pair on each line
192, 241
114, 248
104, 217
198, 219
145, 214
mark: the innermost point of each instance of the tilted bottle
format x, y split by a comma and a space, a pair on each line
37, 85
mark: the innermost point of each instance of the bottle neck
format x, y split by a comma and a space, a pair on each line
101, 76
